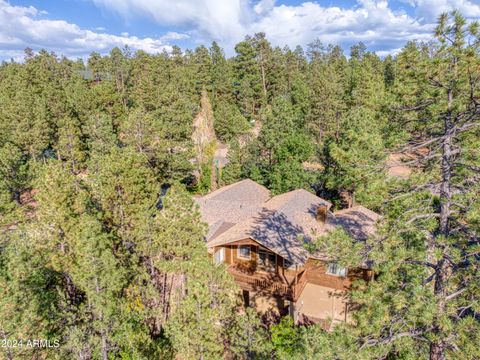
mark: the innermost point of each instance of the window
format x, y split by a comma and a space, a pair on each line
335, 269
288, 264
266, 259
244, 251
220, 256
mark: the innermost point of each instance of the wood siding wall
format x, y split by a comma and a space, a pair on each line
310, 285
231, 255
315, 270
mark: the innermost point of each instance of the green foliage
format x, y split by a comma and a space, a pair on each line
340, 246
276, 158
353, 158
248, 88
205, 181
233, 170
229, 122
13, 180
285, 337
100, 133
249, 336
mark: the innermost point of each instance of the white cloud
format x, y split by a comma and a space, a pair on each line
172, 35
430, 9
383, 53
372, 22
22, 27
15, 55
225, 19
264, 6
228, 21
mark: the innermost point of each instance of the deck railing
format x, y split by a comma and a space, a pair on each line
273, 285
256, 283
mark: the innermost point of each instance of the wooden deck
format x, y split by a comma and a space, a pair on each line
271, 284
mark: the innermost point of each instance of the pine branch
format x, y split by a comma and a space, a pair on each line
455, 294
469, 125
415, 107
422, 216
436, 83
411, 147
469, 167
419, 262
429, 279
404, 194
392, 337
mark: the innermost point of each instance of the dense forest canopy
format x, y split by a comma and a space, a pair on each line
98, 164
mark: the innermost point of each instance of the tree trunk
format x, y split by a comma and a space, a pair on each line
70, 289
104, 335
164, 297
443, 269
264, 82
104, 347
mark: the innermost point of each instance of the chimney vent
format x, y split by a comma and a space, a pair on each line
321, 214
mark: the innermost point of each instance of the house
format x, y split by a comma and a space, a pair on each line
261, 240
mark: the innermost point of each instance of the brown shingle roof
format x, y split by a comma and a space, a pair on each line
245, 191
358, 221
232, 203
280, 224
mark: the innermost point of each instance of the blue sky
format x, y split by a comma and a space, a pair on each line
76, 27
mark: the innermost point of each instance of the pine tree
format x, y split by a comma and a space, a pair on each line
248, 80
100, 134
423, 302
276, 157
100, 277
70, 144
285, 338
42, 255
203, 64
327, 92
352, 160
14, 180
229, 121
221, 74
248, 336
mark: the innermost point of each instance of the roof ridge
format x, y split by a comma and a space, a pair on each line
230, 186
288, 195
218, 191
353, 208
